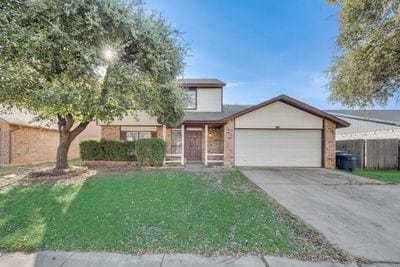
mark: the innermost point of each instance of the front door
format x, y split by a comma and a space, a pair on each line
193, 146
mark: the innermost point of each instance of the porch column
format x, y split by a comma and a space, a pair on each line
183, 144
164, 132
206, 145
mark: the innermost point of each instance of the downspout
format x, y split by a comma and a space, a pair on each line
9, 143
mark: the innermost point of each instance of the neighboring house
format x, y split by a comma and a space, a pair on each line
368, 124
24, 140
279, 132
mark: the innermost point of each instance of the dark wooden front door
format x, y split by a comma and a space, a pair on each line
193, 146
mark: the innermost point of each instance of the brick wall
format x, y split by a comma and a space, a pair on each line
229, 143
32, 145
111, 132
4, 142
329, 132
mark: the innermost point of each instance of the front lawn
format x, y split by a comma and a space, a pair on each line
392, 176
152, 212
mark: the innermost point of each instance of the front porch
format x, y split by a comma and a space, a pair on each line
195, 143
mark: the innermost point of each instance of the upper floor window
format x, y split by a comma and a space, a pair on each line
192, 98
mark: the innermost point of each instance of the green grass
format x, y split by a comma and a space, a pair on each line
392, 176
146, 212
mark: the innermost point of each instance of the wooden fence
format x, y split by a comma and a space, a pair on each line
373, 153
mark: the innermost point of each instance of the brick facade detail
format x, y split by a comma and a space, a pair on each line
25, 145
229, 143
329, 142
111, 132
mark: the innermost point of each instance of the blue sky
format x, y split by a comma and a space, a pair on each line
260, 48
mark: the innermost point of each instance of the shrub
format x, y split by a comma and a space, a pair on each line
107, 150
91, 150
150, 152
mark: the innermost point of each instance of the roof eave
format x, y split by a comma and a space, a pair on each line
297, 104
203, 85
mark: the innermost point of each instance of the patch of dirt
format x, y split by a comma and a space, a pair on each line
49, 176
45, 176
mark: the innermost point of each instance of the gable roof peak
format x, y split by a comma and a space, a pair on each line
299, 105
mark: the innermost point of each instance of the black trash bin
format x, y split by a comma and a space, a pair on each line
346, 161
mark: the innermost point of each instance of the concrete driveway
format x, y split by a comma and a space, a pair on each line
359, 215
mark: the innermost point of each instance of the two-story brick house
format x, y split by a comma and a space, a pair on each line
279, 132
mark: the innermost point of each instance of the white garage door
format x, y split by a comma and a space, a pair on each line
284, 148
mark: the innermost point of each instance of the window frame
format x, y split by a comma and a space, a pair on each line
173, 144
192, 89
124, 135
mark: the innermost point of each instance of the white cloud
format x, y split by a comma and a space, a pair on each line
234, 84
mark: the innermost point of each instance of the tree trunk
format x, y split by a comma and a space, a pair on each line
66, 137
62, 152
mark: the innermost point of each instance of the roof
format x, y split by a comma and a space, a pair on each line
381, 116
297, 104
234, 111
227, 110
202, 83
25, 118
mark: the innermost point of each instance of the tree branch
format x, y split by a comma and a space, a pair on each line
78, 129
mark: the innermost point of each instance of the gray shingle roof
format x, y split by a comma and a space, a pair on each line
25, 118
392, 116
215, 116
201, 82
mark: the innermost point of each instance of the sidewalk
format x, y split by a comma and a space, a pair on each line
83, 259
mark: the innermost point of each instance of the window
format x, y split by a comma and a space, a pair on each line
133, 136
192, 98
176, 141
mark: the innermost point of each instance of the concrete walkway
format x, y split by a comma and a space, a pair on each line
359, 215
81, 259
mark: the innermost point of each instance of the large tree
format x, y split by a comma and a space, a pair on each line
72, 61
367, 70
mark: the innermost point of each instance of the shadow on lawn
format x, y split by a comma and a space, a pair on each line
110, 214
149, 212
80, 216
155, 212
30, 214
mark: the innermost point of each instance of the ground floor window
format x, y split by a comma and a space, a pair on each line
136, 135
176, 141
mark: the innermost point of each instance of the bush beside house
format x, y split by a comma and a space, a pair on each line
107, 150
148, 152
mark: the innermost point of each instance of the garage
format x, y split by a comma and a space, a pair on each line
280, 133
283, 148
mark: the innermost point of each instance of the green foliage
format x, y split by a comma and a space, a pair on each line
367, 71
392, 176
107, 150
53, 59
76, 61
147, 212
150, 152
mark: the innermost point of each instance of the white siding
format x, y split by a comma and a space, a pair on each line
279, 115
141, 118
209, 100
360, 129
278, 148
360, 126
